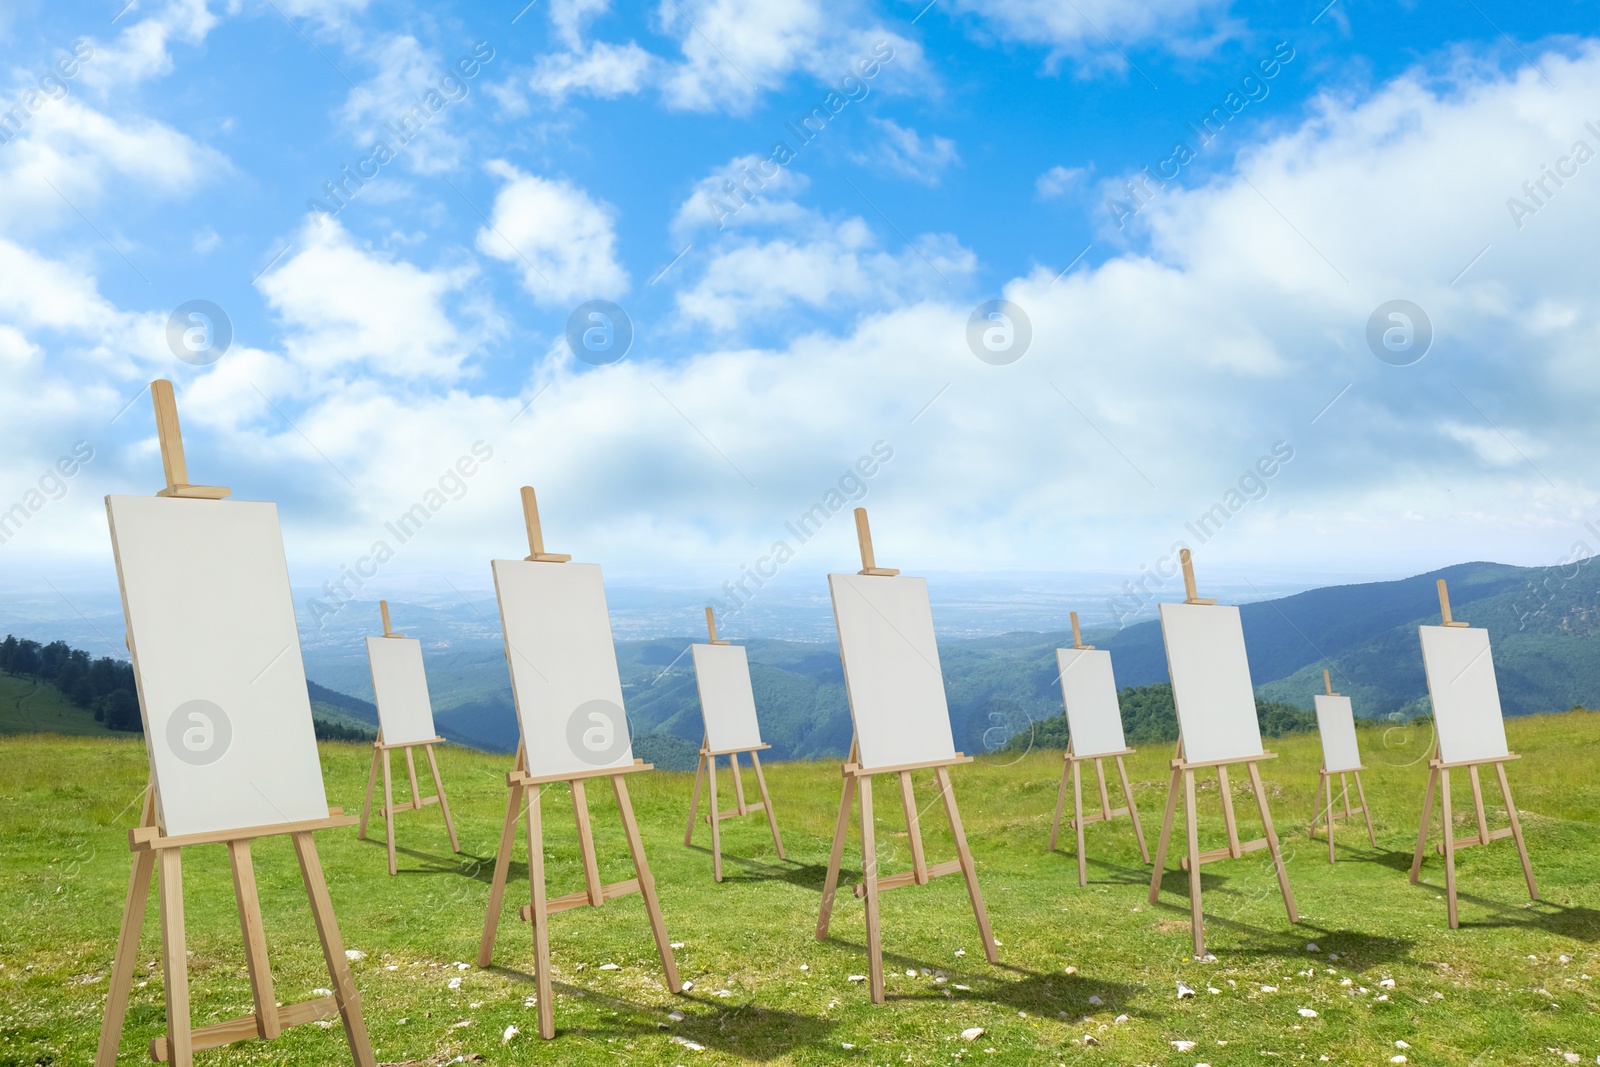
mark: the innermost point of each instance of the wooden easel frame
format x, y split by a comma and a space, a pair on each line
525, 798
707, 770
380, 752
1070, 769
1439, 779
149, 845
1325, 790
1183, 776
858, 780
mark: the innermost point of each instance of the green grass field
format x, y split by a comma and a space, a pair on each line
1512, 986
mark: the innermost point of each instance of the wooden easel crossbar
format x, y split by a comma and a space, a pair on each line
1071, 770
858, 783
1439, 784
525, 800
380, 753
1329, 811
1183, 778
151, 848
706, 772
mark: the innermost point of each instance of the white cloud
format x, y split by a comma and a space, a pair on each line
906, 152
142, 50
747, 191
561, 240
1097, 32
84, 153
837, 268
1059, 180
736, 50
406, 105
343, 304
602, 70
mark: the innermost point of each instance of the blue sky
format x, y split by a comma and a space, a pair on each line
1183, 338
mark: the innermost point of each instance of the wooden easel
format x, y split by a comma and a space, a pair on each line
1439, 778
148, 844
858, 779
1325, 790
1107, 812
708, 766
526, 791
1183, 776
380, 750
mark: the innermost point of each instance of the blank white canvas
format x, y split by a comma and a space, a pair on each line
205, 592
1211, 682
1089, 691
400, 689
1466, 698
559, 647
727, 702
891, 669
1336, 723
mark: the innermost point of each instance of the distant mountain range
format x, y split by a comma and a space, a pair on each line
1544, 623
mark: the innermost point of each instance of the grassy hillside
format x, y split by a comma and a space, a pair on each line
30, 706
1515, 985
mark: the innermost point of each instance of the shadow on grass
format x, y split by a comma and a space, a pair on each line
736, 1027
1017, 987
804, 875
477, 868
1580, 924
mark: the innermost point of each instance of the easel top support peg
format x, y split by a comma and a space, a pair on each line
1077, 637
711, 626
530, 515
869, 564
1327, 682
170, 435
1444, 607
1191, 595
383, 608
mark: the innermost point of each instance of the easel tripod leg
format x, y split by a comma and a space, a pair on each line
1061, 802
841, 828
1366, 812
869, 877
1077, 821
127, 953
694, 801
1272, 843
1197, 919
716, 819
344, 986
175, 961
647, 884
366, 805
444, 803
1327, 783
497, 887
1133, 810
255, 939
1422, 827
388, 808
591, 865
1165, 835
540, 916
1449, 846
766, 799
1516, 829
969, 869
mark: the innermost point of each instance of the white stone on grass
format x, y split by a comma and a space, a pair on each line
972, 1033
1184, 992
510, 1032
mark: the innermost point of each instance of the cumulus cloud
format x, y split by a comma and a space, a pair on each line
561, 240
343, 304
1058, 181
909, 154
1095, 32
